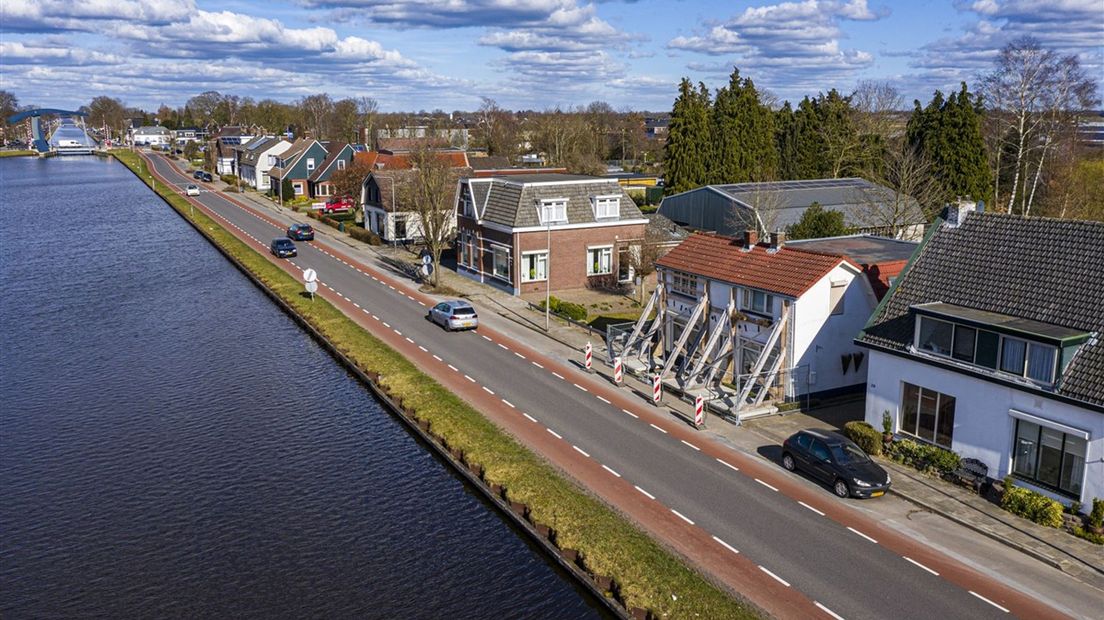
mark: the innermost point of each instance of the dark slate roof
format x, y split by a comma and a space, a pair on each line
513, 200
1040, 269
333, 151
256, 147
491, 162
863, 249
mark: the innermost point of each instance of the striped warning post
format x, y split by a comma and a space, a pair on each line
699, 411
589, 358
657, 390
618, 371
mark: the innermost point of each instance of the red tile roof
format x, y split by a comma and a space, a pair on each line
787, 272
392, 161
880, 273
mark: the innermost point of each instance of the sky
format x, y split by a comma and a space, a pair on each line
525, 54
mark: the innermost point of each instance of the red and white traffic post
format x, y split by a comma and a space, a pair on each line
699, 411
589, 360
657, 390
618, 371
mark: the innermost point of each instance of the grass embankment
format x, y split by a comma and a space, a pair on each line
17, 153
646, 574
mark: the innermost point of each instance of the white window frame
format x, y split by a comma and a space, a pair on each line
551, 206
297, 189
610, 203
341, 164
684, 283
495, 250
747, 301
604, 251
525, 268
310, 163
1029, 346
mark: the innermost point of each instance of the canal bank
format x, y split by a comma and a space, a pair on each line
614, 557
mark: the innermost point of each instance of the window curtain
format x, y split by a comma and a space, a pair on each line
1012, 356
1040, 363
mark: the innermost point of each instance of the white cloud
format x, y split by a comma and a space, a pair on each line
87, 15
445, 13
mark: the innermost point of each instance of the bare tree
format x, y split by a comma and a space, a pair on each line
877, 106
499, 129
316, 112
108, 114
368, 109
909, 194
429, 190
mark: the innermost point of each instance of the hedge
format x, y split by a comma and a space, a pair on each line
924, 456
646, 574
1031, 505
869, 439
363, 234
1096, 517
573, 311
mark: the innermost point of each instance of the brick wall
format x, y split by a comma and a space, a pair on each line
568, 257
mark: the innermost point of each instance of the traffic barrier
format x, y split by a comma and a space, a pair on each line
618, 371
699, 411
589, 360
657, 390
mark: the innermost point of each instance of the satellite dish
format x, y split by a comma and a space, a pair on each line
310, 275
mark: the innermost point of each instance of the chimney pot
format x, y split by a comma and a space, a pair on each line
778, 239
751, 237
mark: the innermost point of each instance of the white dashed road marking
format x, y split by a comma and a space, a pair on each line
725, 545
487, 390
503, 347
607, 468
682, 516
438, 358
766, 485
468, 377
989, 601
630, 413
538, 365
920, 565
581, 451
815, 510
581, 387
728, 465
454, 368
557, 375
779, 579
646, 494
508, 404
658, 428
485, 338
829, 611
554, 433
424, 350
691, 445
854, 531
531, 418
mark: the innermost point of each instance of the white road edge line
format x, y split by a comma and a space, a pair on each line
814, 510
779, 579
853, 530
554, 433
581, 451
828, 611
989, 601
538, 365
487, 390
690, 444
508, 404
602, 399
607, 468
728, 465
658, 429
682, 516
531, 418
920, 565
725, 545
766, 485
646, 494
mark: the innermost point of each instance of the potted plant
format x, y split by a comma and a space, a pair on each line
887, 427
532, 274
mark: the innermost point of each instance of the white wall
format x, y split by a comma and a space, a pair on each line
820, 338
413, 223
263, 166
983, 428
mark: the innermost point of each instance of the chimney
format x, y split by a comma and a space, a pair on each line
778, 239
751, 237
955, 213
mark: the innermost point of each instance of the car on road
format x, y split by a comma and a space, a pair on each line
192, 190
301, 232
282, 247
338, 205
202, 175
835, 460
454, 314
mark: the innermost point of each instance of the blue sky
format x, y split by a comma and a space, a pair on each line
533, 54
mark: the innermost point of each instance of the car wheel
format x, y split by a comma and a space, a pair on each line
788, 462
841, 488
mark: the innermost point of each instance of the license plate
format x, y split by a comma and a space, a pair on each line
877, 494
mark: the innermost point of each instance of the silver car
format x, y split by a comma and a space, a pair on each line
454, 314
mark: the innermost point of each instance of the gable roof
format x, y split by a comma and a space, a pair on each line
786, 271
389, 192
513, 200
260, 146
292, 155
1039, 269
334, 151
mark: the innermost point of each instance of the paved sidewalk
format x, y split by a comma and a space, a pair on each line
1078, 558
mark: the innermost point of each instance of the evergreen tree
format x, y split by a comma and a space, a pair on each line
786, 142
808, 142
816, 223
948, 132
743, 134
687, 151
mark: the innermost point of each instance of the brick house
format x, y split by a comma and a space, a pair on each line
296, 165
385, 212
525, 232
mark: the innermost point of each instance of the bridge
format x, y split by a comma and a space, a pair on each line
73, 139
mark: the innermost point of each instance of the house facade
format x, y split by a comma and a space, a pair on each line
989, 344
338, 156
296, 165
385, 212
223, 148
527, 233
261, 155
154, 135
729, 209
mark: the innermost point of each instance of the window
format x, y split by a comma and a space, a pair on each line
297, 188
964, 342
758, 301
271, 160
400, 227
553, 211
835, 302
1040, 362
1048, 457
501, 262
310, 163
534, 266
935, 336
1013, 352
928, 415
341, 164
606, 207
599, 260
684, 284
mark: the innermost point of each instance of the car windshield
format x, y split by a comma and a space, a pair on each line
463, 310
849, 453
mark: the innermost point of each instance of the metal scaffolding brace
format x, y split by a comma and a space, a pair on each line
640, 339
775, 344
700, 310
712, 356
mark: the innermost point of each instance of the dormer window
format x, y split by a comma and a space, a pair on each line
310, 163
341, 164
552, 211
606, 207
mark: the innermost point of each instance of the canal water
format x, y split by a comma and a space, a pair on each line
172, 445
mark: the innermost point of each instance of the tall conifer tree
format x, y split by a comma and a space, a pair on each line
687, 151
948, 132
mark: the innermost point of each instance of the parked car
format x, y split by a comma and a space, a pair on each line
454, 314
301, 232
282, 247
197, 174
835, 460
192, 189
337, 205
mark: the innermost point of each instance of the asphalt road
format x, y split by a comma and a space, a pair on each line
838, 559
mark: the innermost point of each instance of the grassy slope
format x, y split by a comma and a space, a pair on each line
647, 573
17, 153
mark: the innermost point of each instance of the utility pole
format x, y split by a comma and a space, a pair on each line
547, 267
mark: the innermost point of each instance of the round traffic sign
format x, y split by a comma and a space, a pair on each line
426, 259
309, 275
312, 287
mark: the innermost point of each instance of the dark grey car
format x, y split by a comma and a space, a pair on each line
836, 461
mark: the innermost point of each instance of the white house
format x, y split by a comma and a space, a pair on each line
989, 344
258, 157
746, 323
151, 135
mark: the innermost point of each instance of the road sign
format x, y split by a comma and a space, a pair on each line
310, 275
312, 287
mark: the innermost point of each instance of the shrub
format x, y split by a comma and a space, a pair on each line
228, 179
1092, 537
943, 460
575, 312
1096, 517
887, 422
363, 234
1031, 505
923, 456
865, 435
